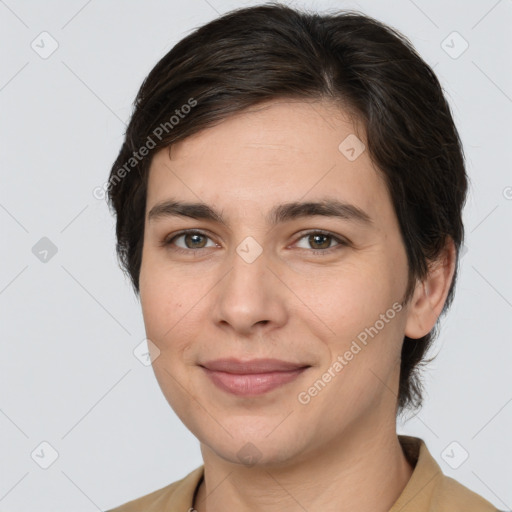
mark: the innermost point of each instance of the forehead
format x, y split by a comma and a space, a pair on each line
279, 151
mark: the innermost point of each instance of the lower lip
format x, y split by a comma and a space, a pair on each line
251, 384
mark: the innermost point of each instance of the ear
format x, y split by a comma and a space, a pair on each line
430, 294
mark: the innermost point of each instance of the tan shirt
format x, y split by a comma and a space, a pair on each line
428, 489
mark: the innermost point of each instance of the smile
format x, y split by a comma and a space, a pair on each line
251, 378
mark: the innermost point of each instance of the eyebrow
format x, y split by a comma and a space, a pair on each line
280, 213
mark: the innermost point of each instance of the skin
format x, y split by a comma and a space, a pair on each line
340, 451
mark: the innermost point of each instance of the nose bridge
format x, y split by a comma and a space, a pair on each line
247, 278
250, 292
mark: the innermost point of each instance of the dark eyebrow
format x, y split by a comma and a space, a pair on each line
280, 213
200, 211
327, 208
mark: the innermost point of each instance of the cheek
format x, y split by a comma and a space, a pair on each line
357, 303
346, 299
161, 303
173, 315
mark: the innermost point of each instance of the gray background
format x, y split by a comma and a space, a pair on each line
69, 320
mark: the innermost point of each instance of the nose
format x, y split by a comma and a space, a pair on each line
250, 297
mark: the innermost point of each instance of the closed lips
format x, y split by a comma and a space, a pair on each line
253, 366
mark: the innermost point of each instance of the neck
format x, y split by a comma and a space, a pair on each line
364, 471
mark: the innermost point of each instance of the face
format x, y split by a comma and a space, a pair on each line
292, 254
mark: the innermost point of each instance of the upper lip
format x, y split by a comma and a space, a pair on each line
237, 366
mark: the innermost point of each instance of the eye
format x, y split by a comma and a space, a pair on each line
189, 240
320, 241
316, 241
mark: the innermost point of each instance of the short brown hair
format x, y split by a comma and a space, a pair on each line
256, 54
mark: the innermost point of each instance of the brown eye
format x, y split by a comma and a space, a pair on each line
194, 240
190, 240
319, 241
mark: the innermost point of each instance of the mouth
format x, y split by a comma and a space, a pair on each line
254, 377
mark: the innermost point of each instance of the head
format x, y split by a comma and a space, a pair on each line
267, 119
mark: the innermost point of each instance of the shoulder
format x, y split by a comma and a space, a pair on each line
452, 495
429, 489
178, 495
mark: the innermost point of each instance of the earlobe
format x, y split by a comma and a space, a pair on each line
430, 294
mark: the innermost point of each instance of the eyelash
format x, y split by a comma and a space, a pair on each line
168, 241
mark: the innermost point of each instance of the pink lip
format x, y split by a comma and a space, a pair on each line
251, 378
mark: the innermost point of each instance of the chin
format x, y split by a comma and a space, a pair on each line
250, 447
